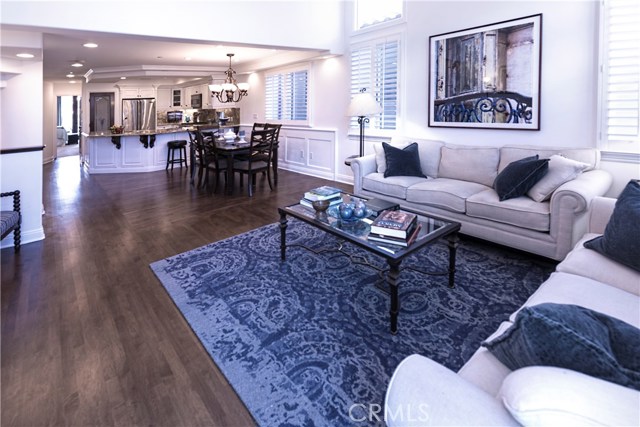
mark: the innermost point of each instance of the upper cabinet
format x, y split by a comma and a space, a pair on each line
176, 97
163, 100
137, 92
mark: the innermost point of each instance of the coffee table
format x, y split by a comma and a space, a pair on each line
433, 229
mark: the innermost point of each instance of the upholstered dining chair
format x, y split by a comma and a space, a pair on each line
259, 160
11, 220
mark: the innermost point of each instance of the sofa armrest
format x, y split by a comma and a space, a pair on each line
545, 395
583, 189
424, 393
600, 211
361, 167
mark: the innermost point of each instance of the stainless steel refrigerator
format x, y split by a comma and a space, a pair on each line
139, 114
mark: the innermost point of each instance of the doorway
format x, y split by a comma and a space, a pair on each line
68, 125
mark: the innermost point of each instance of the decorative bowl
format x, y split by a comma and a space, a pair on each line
320, 206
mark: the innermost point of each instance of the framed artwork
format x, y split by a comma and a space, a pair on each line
487, 77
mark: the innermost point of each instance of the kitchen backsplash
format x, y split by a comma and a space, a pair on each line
209, 116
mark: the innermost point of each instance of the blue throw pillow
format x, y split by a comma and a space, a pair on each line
405, 162
519, 176
621, 238
571, 337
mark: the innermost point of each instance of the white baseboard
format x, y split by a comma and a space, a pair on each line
25, 237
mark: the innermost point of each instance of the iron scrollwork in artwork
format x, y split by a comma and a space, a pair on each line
498, 107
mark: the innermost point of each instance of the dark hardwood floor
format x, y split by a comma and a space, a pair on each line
89, 335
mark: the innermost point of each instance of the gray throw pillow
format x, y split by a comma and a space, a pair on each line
571, 337
519, 176
621, 238
402, 162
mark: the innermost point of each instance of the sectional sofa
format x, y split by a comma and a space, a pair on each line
458, 185
485, 392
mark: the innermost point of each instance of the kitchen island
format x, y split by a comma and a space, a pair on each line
137, 151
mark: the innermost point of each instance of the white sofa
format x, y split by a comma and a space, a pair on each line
458, 186
422, 392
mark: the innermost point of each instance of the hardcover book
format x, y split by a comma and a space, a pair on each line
394, 223
322, 193
379, 205
380, 238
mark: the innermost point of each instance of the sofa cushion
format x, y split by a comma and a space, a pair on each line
473, 164
588, 263
548, 396
445, 193
521, 211
429, 150
519, 176
381, 161
572, 337
621, 238
394, 186
509, 153
561, 170
402, 162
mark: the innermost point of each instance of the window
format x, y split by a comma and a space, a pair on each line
374, 12
620, 76
286, 97
374, 67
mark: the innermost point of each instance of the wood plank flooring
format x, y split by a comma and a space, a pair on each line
89, 336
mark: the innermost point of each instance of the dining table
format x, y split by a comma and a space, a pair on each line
229, 150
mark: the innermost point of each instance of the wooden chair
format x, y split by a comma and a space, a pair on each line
260, 159
212, 161
11, 220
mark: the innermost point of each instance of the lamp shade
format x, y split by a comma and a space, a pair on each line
363, 104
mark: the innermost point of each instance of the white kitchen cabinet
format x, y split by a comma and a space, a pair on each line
137, 92
163, 99
176, 97
311, 152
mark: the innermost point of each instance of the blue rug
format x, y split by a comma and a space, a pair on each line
306, 341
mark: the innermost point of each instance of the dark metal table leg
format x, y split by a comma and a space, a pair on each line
283, 235
453, 242
392, 280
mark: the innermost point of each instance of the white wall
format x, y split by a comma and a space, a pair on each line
569, 77
21, 116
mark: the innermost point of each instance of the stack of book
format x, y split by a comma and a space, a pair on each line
334, 195
395, 227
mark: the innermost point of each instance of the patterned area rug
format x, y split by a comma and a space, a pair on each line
306, 341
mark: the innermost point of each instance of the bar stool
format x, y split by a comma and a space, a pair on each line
172, 146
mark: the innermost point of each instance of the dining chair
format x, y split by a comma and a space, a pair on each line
259, 160
212, 161
196, 157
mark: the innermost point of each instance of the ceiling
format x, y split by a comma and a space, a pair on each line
150, 58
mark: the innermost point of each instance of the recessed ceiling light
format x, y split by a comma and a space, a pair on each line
123, 78
72, 81
77, 64
71, 75
187, 58
24, 55
90, 45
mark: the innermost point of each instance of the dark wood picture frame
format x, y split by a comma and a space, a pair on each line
487, 77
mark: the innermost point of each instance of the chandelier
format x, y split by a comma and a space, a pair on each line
229, 91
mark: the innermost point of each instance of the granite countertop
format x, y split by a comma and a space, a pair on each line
134, 133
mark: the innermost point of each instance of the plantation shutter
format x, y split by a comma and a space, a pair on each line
621, 110
286, 97
375, 68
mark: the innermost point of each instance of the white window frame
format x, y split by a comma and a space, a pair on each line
628, 151
372, 128
284, 71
